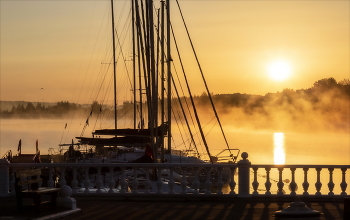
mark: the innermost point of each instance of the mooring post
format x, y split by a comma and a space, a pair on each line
244, 176
4, 178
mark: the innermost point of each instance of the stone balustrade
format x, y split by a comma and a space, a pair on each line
224, 180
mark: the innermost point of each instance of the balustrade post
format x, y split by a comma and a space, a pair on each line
123, 183
135, 182
244, 176
183, 181
99, 180
171, 181
87, 181
232, 182
195, 183
255, 183
63, 176
220, 183
293, 184
4, 178
318, 184
331, 183
280, 183
208, 182
159, 181
75, 188
111, 182
268, 183
343, 184
305, 183
147, 181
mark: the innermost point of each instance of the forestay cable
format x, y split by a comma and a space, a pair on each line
205, 83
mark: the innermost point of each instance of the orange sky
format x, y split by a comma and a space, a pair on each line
59, 45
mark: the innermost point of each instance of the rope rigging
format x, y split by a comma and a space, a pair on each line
149, 59
205, 83
193, 105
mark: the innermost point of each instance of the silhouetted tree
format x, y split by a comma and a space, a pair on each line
325, 84
96, 107
30, 108
39, 107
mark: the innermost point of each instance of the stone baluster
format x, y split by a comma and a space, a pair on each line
135, 182
280, 183
318, 184
208, 182
75, 188
50, 182
268, 183
195, 183
99, 180
63, 176
244, 176
86, 180
232, 182
220, 183
305, 183
331, 183
183, 180
159, 181
293, 184
123, 183
255, 183
343, 184
147, 181
111, 182
171, 181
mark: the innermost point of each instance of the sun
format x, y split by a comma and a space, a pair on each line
279, 70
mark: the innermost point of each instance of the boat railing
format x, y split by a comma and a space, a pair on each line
241, 179
7, 155
227, 155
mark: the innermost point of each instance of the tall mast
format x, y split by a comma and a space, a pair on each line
162, 76
169, 75
133, 58
153, 83
114, 69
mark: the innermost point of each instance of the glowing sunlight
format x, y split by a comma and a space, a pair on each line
278, 151
279, 70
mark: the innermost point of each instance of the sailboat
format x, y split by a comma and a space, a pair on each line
155, 94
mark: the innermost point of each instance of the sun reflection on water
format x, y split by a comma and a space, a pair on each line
278, 151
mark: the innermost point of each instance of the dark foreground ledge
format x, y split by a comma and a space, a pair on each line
105, 207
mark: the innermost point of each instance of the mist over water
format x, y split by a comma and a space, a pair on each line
263, 146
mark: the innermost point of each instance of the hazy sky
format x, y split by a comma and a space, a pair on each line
52, 45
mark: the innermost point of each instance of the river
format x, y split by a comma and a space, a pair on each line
263, 147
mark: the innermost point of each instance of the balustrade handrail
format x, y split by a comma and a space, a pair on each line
297, 166
167, 165
132, 165
247, 179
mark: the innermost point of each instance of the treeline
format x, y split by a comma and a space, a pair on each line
323, 92
28, 109
324, 105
